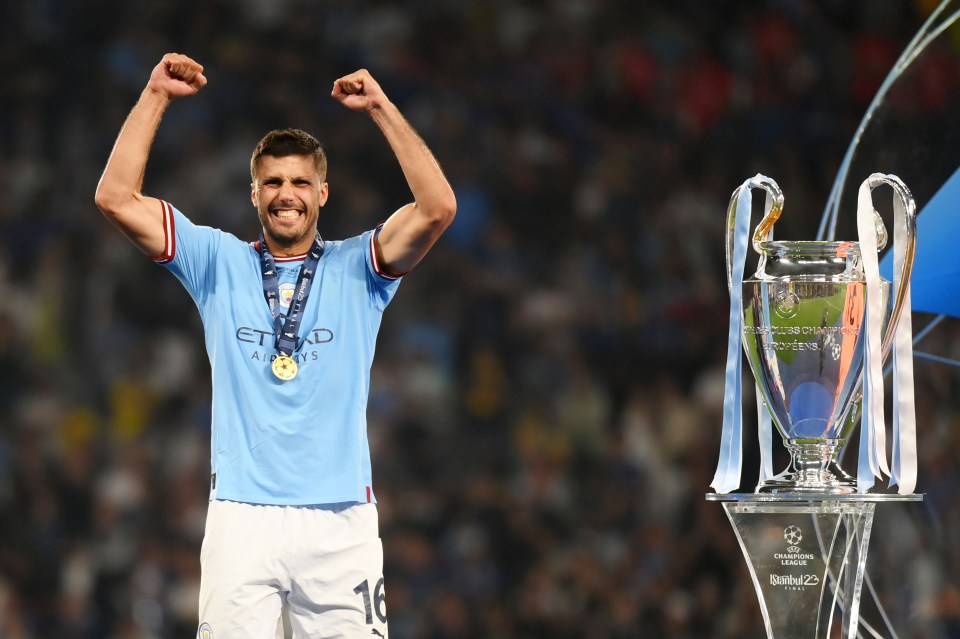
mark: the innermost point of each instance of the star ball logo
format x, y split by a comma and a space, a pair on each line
787, 304
793, 535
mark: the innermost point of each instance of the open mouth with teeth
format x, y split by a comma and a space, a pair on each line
286, 214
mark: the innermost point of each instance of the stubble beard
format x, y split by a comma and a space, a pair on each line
286, 237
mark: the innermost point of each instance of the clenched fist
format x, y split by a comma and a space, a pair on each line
177, 75
359, 91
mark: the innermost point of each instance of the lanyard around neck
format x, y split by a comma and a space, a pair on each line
287, 326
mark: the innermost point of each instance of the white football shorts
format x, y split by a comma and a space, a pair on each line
270, 572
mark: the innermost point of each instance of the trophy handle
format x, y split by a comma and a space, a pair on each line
765, 227
909, 251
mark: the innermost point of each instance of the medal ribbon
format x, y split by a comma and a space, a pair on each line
287, 326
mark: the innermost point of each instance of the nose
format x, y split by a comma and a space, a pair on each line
286, 191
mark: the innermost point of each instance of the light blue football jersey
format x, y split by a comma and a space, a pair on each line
302, 441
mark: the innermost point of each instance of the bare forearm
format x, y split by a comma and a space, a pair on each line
123, 176
118, 193
431, 191
410, 232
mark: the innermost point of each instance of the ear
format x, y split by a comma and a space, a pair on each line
253, 194
324, 193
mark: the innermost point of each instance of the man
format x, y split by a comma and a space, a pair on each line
290, 324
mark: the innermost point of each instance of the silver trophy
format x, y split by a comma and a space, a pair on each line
815, 322
804, 335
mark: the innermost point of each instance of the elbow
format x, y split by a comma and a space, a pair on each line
436, 216
433, 215
446, 210
109, 200
105, 199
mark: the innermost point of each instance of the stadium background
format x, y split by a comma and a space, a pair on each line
545, 413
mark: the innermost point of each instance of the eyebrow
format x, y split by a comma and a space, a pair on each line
280, 178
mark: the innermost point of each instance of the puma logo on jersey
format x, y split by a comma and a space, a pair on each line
378, 633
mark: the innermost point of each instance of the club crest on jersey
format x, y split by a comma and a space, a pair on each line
286, 294
205, 631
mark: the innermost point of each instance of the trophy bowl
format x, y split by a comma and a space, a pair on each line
803, 314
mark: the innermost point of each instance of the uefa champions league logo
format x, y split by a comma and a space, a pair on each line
793, 535
787, 304
794, 557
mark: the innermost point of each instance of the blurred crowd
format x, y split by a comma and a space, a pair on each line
546, 403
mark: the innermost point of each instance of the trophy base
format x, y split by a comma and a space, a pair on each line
813, 470
807, 561
806, 555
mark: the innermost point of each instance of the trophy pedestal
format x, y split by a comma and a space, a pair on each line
807, 557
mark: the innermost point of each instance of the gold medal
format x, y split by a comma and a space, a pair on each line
285, 367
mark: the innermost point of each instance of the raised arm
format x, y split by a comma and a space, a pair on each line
410, 232
118, 193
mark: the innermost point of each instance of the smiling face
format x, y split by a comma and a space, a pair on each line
288, 192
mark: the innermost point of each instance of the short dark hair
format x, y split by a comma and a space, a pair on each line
283, 142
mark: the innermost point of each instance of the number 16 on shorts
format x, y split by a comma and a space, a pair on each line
373, 604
